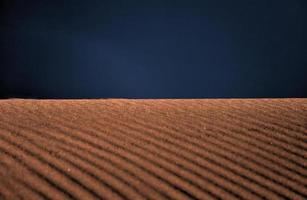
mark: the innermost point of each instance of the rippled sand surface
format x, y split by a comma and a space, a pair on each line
153, 149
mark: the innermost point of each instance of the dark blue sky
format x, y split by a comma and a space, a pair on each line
153, 49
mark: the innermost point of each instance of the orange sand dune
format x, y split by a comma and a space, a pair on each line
153, 149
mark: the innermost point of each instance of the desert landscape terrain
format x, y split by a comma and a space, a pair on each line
153, 149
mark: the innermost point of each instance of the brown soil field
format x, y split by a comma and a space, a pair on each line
153, 149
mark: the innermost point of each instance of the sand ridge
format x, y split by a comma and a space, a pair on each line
153, 149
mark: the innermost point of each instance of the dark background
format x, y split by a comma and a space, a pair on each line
153, 48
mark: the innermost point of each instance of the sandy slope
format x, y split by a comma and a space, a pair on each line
153, 149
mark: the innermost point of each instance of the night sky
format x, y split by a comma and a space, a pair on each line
153, 49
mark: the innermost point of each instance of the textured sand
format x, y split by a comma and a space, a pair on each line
153, 149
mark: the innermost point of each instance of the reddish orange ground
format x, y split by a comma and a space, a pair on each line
153, 149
